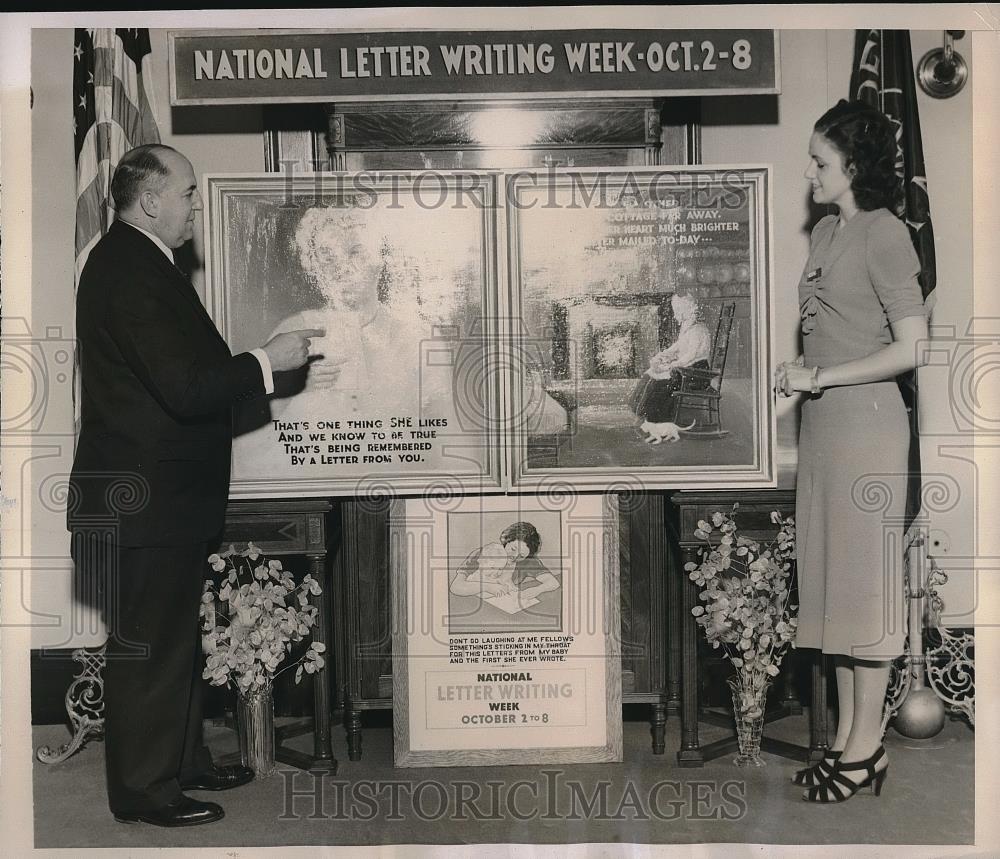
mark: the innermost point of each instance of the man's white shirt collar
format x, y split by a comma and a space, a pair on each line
155, 240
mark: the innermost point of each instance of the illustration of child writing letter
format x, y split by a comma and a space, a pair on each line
506, 574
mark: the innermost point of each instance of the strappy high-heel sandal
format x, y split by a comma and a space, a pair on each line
818, 773
838, 787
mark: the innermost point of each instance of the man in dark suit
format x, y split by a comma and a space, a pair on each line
153, 457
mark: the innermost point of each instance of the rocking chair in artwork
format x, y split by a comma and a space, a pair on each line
700, 391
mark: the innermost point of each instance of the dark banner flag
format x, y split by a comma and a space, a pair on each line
113, 111
882, 76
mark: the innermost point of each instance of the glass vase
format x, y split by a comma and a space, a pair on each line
255, 722
748, 711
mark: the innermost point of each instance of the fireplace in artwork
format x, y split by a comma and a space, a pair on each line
601, 345
611, 350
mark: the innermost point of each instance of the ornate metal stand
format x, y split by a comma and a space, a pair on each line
951, 673
84, 704
900, 679
947, 664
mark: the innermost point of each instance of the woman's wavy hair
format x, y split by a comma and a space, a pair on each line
526, 533
866, 141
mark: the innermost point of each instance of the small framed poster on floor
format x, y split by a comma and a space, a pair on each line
506, 631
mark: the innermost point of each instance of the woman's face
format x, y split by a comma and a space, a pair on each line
517, 549
831, 183
345, 271
683, 309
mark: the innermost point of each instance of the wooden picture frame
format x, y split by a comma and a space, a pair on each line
513, 692
502, 330
596, 257
412, 349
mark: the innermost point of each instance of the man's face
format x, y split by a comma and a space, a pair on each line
177, 201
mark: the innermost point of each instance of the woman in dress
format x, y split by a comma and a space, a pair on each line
653, 398
862, 320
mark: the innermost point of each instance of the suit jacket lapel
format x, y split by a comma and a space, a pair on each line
177, 280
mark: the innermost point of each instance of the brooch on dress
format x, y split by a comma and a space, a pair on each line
811, 303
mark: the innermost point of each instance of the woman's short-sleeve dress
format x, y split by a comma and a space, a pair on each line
853, 440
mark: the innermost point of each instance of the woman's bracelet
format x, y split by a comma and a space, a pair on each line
814, 380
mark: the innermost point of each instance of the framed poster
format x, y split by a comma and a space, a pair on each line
399, 270
506, 640
641, 299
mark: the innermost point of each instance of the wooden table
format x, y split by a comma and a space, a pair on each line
753, 519
295, 527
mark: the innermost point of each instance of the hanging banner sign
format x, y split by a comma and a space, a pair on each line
260, 66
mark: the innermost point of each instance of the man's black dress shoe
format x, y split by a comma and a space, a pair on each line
183, 811
220, 778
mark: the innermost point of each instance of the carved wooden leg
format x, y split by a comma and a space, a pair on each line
690, 752
818, 738
789, 701
322, 737
675, 590
352, 723
658, 727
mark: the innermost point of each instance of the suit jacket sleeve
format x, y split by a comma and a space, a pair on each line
185, 380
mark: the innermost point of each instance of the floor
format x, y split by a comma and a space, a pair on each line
646, 799
606, 435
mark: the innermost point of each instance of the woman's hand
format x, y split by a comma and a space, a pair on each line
323, 374
797, 378
784, 385
661, 364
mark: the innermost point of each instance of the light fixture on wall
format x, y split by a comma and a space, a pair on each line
943, 72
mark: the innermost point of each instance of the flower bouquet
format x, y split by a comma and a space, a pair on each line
249, 623
747, 612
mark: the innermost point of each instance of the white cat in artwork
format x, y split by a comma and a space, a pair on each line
665, 431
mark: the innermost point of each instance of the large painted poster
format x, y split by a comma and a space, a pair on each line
484, 331
400, 274
506, 631
642, 306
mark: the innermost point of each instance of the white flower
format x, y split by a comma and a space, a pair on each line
216, 563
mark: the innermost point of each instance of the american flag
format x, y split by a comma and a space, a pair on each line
113, 111
882, 76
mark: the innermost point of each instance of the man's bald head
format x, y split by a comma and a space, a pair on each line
139, 169
155, 189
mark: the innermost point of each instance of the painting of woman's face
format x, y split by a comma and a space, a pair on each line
339, 255
684, 308
344, 269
